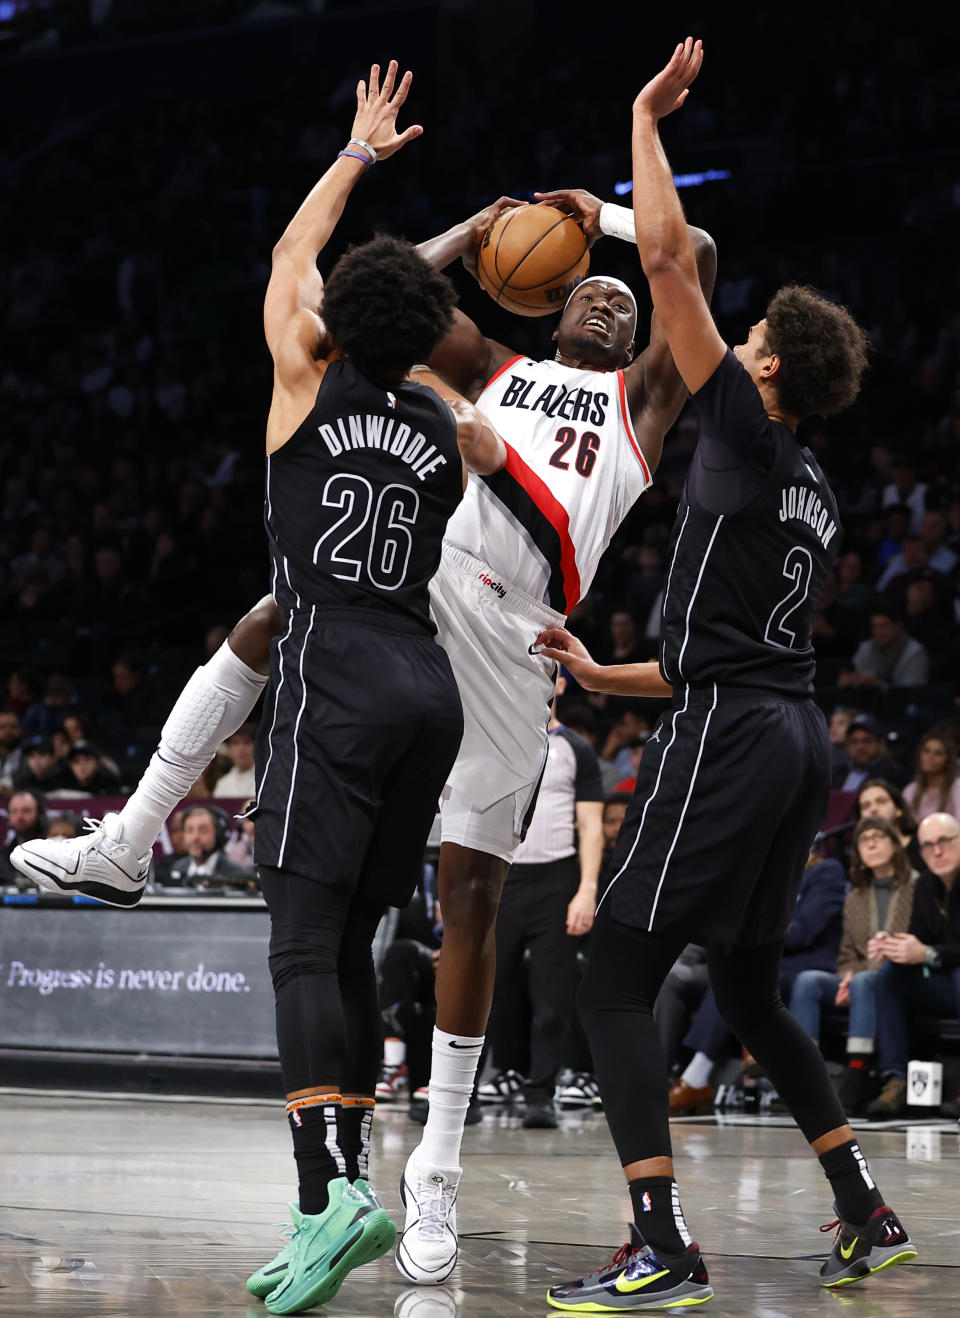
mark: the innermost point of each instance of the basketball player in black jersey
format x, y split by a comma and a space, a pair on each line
362, 715
734, 781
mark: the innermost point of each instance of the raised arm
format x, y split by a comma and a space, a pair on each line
664, 241
465, 357
291, 321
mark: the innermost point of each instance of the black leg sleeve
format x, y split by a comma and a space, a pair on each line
746, 982
627, 967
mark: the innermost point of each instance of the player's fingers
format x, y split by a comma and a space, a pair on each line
681, 98
415, 130
558, 656
374, 81
391, 77
361, 94
402, 90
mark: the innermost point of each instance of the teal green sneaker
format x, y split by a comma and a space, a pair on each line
267, 1278
367, 1189
351, 1231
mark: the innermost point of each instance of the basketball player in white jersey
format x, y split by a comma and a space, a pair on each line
584, 434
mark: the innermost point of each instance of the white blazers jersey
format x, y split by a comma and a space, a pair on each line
574, 469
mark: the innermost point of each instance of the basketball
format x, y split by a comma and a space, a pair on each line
531, 258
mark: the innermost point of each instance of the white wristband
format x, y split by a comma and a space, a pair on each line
618, 222
367, 147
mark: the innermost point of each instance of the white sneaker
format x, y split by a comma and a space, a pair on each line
427, 1248
99, 864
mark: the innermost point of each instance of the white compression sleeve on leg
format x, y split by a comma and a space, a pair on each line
214, 703
618, 222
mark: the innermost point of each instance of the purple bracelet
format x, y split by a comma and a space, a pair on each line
364, 160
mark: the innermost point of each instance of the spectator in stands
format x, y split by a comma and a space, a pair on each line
634, 749
583, 720
548, 903
880, 799
929, 620
87, 774
205, 866
936, 787
240, 847
921, 968
811, 943
906, 490
616, 762
40, 770
24, 691
134, 699
881, 898
65, 825
891, 657
162, 866
624, 645
241, 779
866, 757
26, 820
11, 752
890, 538
837, 729
913, 557
935, 530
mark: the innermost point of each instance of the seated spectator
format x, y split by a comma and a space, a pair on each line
41, 771
881, 898
134, 700
162, 865
906, 491
837, 729
240, 847
65, 825
87, 774
811, 943
928, 620
913, 557
866, 757
936, 787
241, 779
26, 820
634, 749
880, 799
11, 753
25, 689
624, 645
205, 865
935, 530
921, 968
616, 761
891, 657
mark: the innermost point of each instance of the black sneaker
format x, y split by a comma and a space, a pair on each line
855, 1088
636, 1279
540, 1116
860, 1251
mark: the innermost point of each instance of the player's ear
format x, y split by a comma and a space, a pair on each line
771, 367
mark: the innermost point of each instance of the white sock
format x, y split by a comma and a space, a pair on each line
394, 1051
215, 702
455, 1060
697, 1074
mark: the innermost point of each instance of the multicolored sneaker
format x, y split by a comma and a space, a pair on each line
326, 1246
393, 1078
860, 1251
269, 1277
636, 1279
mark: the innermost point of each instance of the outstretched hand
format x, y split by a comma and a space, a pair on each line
582, 205
670, 88
562, 647
377, 110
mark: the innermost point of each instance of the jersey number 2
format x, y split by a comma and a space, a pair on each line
797, 567
382, 540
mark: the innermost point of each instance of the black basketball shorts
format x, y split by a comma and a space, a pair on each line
362, 722
731, 791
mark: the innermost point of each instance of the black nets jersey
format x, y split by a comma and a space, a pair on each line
756, 534
358, 498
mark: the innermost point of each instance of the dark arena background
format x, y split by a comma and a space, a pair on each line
151, 155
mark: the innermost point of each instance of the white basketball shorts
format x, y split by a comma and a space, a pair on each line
487, 626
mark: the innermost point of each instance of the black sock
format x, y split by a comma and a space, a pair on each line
313, 1122
853, 1187
353, 1128
658, 1215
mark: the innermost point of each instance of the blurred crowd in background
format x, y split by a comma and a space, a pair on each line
141, 196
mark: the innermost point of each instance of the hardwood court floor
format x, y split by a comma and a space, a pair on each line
133, 1208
